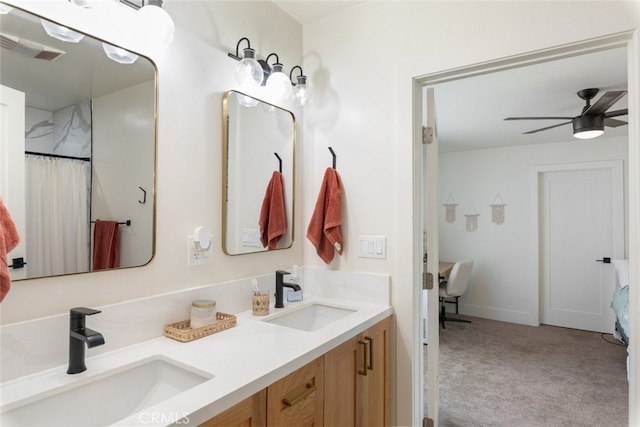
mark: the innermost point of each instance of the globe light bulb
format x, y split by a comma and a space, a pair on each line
278, 84
301, 91
247, 101
249, 73
159, 25
61, 33
118, 54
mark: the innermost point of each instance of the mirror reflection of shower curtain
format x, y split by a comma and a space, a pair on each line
57, 215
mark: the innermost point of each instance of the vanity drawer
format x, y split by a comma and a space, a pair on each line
298, 399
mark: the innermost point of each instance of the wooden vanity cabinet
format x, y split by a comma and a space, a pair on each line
357, 380
298, 399
348, 386
251, 412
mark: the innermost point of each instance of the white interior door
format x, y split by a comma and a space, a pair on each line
581, 220
12, 182
430, 199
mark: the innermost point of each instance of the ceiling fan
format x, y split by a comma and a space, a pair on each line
591, 122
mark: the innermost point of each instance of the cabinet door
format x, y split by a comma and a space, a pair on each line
341, 365
297, 400
251, 412
374, 387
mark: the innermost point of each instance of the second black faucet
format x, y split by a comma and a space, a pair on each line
280, 285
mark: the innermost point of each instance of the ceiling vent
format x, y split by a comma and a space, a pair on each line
28, 48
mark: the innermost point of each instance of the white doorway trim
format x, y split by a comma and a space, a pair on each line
413, 75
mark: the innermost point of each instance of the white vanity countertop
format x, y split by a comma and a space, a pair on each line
243, 360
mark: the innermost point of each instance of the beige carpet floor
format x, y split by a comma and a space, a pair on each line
502, 374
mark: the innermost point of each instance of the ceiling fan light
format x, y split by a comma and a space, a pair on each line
588, 127
588, 134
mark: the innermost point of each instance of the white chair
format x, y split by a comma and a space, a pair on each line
453, 287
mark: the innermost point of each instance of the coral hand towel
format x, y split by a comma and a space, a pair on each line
9, 239
273, 217
106, 245
325, 227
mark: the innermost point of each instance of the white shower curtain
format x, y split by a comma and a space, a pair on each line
57, 216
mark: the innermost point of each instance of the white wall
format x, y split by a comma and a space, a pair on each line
193, 74
361, 62
501, 285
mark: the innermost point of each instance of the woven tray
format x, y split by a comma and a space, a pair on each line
181, 331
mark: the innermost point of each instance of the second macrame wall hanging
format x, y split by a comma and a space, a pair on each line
471, 225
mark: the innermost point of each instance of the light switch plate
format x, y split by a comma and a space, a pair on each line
251, 237
372, 246
196, 256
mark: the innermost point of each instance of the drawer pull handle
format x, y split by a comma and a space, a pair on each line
370, 345
310, 388
364, 358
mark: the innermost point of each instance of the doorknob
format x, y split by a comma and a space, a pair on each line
604, 260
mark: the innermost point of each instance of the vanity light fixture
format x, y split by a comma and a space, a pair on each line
252, 73
156, 23
301, 92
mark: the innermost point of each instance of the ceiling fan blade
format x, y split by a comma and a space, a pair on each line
613, 123
538, 118
616, 113
605, 102
548, 127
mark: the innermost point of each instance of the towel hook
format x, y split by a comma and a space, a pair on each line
279, 162
334, 157
144, 196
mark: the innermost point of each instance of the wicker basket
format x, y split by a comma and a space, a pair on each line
181, 331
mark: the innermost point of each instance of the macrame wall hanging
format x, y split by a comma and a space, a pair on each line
497, 210
450, 207
472, 219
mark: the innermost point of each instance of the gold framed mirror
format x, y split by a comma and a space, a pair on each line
259, 141
82, 150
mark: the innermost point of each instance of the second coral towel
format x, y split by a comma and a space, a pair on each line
325, 227
273, 216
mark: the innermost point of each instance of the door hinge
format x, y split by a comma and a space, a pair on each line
427, 134
427, 281
427, 422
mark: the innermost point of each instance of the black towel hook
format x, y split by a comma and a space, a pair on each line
279, 162
144, 196
334, 157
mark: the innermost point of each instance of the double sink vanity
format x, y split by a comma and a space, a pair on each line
292, 365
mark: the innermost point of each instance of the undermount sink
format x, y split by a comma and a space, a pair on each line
108, 397
311, 317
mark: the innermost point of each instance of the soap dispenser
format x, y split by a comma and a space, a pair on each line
294, 279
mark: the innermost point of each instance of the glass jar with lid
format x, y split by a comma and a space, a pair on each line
203, 312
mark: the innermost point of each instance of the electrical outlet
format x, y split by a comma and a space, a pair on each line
196, 256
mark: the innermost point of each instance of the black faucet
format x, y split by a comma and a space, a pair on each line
280, 283
78, 336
